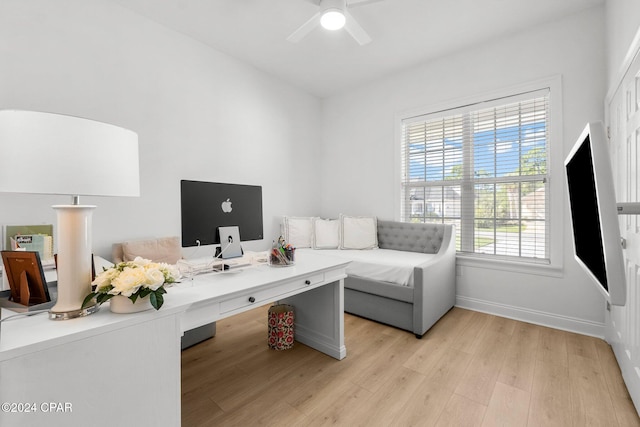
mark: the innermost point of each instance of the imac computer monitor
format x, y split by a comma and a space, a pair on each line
207, 206
594, 216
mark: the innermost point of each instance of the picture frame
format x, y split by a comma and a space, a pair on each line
25, 275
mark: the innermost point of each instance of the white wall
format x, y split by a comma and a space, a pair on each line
199, 114
360, 125
623, 25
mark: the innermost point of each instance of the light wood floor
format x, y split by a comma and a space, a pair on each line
470, 369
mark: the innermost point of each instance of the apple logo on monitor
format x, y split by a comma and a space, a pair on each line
226, 206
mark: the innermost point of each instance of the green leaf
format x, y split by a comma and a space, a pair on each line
88, 299
102, 298
133, 298
156, 299
143, 292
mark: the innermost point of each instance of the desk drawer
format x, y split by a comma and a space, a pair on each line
262, 296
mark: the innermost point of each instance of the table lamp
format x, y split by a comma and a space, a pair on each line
46, 153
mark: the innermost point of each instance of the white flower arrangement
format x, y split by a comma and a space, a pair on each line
133, 279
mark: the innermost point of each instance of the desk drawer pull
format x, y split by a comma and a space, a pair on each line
252, 299
307, 282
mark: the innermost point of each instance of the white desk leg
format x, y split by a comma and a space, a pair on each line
319, 318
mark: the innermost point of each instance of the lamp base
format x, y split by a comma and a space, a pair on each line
72, 314
74, 261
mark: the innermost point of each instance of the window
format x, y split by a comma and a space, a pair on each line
484, 168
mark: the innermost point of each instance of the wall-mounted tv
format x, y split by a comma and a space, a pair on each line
594, 216
205, 206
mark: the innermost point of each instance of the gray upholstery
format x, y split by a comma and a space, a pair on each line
410, 237
433, 294
383, 310
387, 290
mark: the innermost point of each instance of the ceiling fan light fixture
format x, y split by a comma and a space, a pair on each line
333, 15
332, 19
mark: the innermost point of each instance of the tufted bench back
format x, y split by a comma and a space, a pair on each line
410, 237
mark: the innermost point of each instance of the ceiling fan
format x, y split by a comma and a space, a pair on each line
333, 15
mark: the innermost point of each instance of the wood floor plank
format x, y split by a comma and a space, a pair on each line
552, 346
425, 406
269, 410
448, 328
626, 413
502, 325
198, 408
469, 338
469, 369
461, 411
387, 404
335, 402
449, 370
590, 400
611, 370
551, 394
376, 372
268, 365
306, 387
425, 358
509, 406
581, 345
479, 379
520, 357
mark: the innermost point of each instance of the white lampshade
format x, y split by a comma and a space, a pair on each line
47, 153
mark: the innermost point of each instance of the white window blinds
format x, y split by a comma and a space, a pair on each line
482, 167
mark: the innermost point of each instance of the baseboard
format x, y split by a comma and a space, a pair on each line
551, 320
319, 342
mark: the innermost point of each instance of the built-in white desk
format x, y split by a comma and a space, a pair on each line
124, 369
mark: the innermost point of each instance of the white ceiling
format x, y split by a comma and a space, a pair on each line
404, 33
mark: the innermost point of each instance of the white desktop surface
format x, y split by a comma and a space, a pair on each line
80, 361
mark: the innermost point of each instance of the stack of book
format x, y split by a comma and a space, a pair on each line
41, 243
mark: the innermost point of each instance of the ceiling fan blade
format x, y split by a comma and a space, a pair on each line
305, 29
355, 3
356, 31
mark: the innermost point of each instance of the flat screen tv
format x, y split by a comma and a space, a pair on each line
594, 216
205, 206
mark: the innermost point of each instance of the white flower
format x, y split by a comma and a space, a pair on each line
131, 278
103, 280
171, 272
140, 262
127, 278
128, 281
154, 279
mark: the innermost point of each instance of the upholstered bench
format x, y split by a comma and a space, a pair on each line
407, 280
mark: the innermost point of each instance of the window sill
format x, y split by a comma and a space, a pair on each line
550, 270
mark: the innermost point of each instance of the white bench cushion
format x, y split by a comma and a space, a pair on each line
384, 265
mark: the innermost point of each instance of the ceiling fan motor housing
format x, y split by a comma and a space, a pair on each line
326, 5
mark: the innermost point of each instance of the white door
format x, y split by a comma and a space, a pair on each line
623, 323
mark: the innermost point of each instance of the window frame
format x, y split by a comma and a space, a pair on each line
555, 172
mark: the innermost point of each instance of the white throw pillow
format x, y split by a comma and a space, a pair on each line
326, 233
358, 232
298, 231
